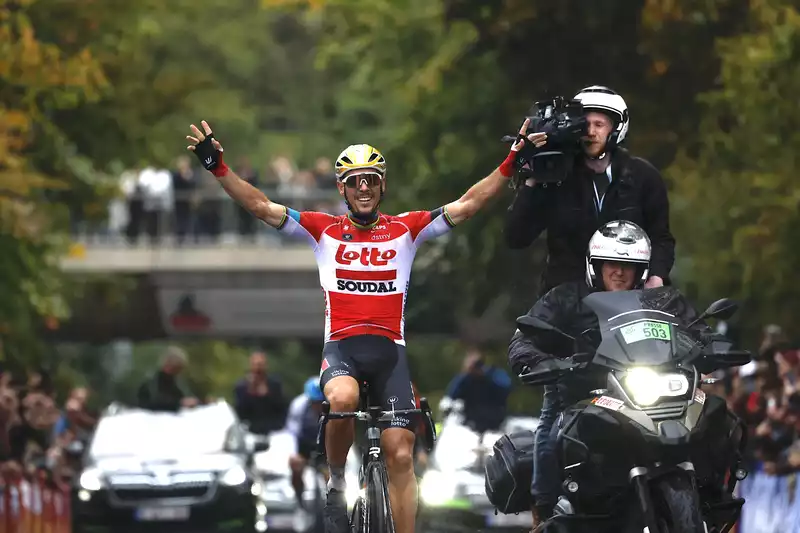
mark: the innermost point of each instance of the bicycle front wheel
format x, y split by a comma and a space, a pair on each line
358, 518
379, 510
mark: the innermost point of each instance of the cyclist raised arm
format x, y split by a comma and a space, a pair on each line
209, 151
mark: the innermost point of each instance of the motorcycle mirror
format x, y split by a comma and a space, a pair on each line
723, 308
538, 323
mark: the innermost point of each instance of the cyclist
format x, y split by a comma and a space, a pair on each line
617, 259
302, 421
364, 260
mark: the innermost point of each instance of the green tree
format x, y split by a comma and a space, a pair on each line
37, 77
737, 215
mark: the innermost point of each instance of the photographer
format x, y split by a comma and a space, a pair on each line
594, 182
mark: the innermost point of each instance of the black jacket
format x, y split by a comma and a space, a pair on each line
161, 392
637, 193
563, 308
265, 413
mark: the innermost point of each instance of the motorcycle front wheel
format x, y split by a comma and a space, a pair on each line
678, 504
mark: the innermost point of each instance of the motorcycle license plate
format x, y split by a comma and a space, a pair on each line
647, 330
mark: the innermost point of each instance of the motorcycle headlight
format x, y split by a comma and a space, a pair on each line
436, 488
91, 480
646, 386
234, 477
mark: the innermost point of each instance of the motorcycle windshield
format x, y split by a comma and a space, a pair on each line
634, 332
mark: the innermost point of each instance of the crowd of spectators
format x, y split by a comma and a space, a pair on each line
766, 395
185, 205
37, 432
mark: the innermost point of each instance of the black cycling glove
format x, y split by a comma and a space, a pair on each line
210, 157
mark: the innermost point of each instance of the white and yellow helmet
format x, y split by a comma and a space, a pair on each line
358, 157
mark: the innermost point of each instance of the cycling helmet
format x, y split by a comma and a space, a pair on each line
604, 100
622, 242
359, 156
312, 390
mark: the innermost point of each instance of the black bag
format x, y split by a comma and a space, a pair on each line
508, 472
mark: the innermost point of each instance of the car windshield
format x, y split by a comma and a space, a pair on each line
633, 330
202, 430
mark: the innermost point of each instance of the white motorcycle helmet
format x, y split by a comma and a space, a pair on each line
604, 100
622, 242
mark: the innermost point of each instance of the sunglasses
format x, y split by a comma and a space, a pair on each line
355, 182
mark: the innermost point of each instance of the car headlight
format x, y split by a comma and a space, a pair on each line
234, 477
91, 480
436, 488
646, 386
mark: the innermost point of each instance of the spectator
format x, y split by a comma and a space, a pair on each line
134, 194
76, 419
209, 211
246, 221
157, 190
184, 182
281, 171
9, 414
259, 398
324, 174
38, 414
161, 392
484, 390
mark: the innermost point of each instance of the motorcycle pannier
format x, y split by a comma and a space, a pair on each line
508, 472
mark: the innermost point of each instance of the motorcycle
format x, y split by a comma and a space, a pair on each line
650, 451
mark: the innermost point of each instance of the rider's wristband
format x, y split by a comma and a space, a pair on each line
221, 169
506, 168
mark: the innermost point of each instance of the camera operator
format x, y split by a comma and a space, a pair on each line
601, 182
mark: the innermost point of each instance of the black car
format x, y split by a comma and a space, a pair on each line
185, 471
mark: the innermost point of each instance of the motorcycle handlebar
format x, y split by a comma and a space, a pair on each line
552, 370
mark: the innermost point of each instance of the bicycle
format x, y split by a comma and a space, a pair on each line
372, 511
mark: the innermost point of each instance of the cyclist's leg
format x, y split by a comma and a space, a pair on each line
340, 386
393, 384
341, 390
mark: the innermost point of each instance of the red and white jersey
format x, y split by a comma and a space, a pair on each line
364, 271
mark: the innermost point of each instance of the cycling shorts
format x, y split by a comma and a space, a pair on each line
380, 362
305, 448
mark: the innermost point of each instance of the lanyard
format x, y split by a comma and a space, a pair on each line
598, 204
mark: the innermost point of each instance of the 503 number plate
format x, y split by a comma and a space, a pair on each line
646, 330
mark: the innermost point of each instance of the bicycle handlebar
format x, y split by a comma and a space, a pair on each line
375, 415
385, 416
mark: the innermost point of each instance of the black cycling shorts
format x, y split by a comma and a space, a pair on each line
305, 448
380, 362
